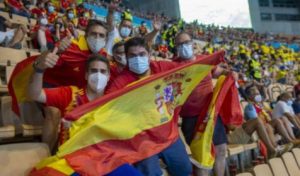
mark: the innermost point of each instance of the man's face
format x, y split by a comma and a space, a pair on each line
97, 31
183, 39
135, 51
97, 66
119, 53
126, 23
288, 97
254, 92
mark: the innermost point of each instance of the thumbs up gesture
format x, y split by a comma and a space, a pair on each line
47, 60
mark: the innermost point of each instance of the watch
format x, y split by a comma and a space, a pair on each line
36, 69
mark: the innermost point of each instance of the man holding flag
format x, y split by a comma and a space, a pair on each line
139, 67
196, 101
123, 131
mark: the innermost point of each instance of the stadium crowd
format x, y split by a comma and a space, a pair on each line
117, 55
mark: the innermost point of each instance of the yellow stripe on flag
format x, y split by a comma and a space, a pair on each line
201, 145
121, 119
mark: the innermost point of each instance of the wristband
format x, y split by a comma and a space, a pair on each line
36, 69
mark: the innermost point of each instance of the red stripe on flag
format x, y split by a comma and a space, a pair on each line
104, 157
46, 171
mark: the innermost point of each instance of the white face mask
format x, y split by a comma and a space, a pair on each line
258, 98
44, 21
97, 81
94, 44
256, 56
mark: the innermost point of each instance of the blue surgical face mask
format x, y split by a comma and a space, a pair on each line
70, 15
138, 64
290, 102
125, 31
185, 51
51, 9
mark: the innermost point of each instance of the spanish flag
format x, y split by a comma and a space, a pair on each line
126, 126
223, 103
70, 70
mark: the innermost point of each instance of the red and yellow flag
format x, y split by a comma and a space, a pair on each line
69, 70
126, 126
224, 104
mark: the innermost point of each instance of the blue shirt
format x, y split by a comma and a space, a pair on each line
296, 107
250, 112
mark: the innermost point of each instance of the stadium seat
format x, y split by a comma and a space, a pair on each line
296, 152
244, 174
4, 14
7, 53
278, 167
250, 146
262, 170
236, 149
8, 117
32, 119
18, 159
290, 164
7, 131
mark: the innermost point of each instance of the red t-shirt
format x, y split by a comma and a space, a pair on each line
66, 98
199, 96
51, 17
48, 34
16, 4
83, 21
65, 4
126, 77
38, 11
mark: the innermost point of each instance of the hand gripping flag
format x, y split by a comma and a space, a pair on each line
126, 126
69, 70
224, 104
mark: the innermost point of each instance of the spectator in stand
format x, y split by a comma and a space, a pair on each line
64, 5
83, 20
119, 62
39, 9
44, 38
60, 30
17, 7
71, 22
143, 29
256, 109
283, 108
296, 104
125, 30
51, 13
14, 36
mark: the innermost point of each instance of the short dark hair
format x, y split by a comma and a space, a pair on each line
136, 41
94, 22
181, 33
117, 45
96, 57
249, 89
